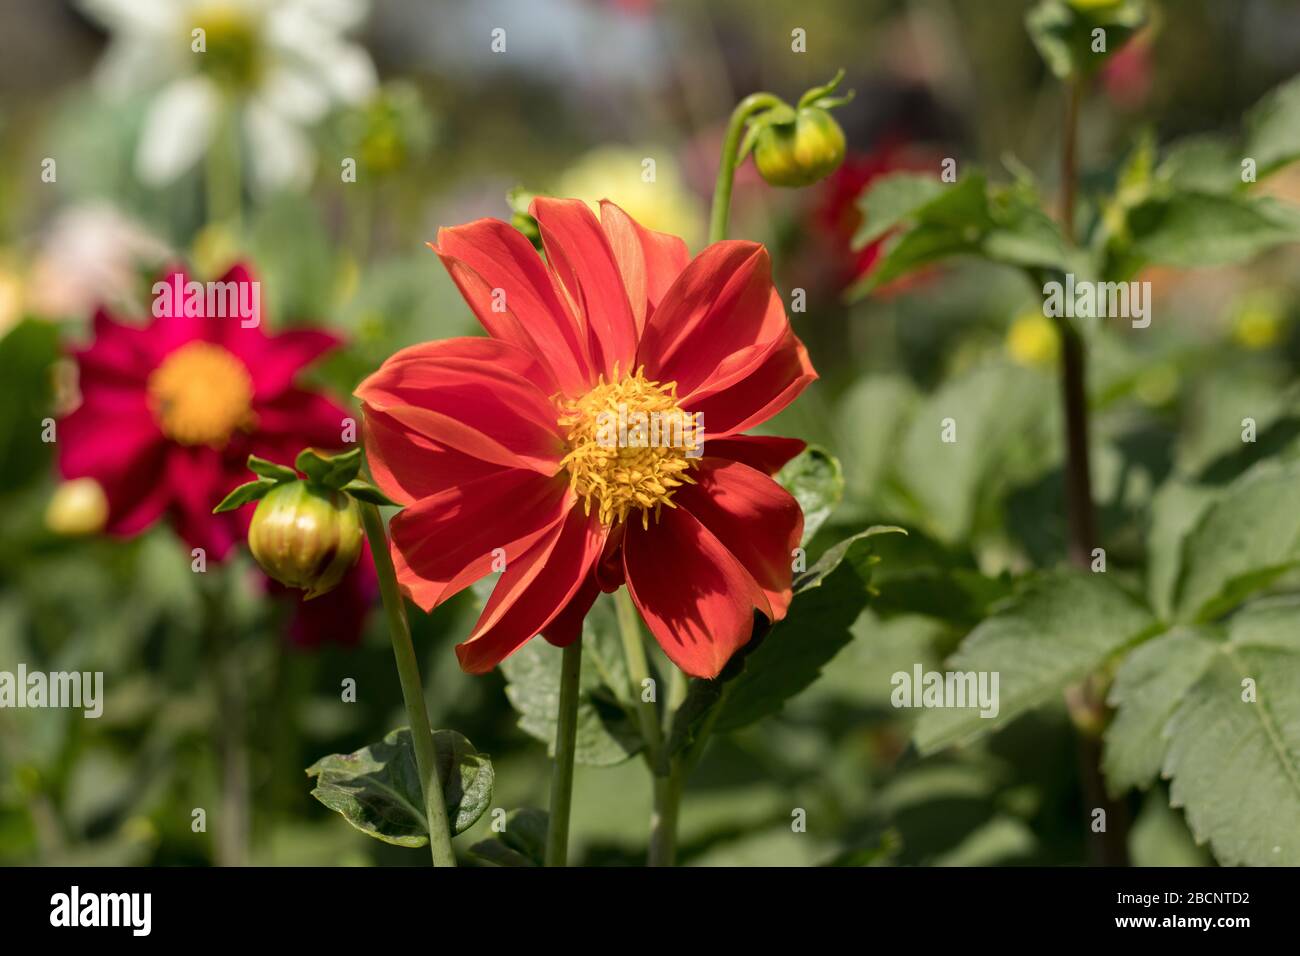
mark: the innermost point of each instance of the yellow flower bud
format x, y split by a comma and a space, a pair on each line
77, 507
1033, 340
802, 152
305, 536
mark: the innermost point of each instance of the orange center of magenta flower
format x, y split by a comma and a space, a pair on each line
201, 394
630, 446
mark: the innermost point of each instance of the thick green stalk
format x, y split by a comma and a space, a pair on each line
721, 211
566, 728
408, 671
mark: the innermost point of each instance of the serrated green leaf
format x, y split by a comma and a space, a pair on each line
1193, 230
249, 491
816, 480
606, 734
269, 469
377, 788
1234, 762
1058, 629
1175, 509
898, 197
1201, 164
1148, 688
1242, 541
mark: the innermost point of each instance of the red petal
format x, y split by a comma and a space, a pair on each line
567, 625
695, 597
489, 255
756, 519
533, 591
767, 453
469, 404
408, 466
581, 257
649, 261
718, 305
784, 372
274, 361
446, 541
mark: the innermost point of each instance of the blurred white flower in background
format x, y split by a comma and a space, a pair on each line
274, 67
89, 255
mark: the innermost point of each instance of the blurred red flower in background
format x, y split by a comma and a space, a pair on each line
171, 410
835, 215
493, 446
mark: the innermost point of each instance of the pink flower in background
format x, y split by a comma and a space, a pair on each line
171, 410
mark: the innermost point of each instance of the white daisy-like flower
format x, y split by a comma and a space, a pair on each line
280, 65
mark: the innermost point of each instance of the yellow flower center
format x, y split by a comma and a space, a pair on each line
630, 446
201, 394
232, 42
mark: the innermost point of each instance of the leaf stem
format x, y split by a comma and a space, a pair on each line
721, 210
566, 728
408, 671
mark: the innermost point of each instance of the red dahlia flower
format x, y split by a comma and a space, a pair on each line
171, 411
495, 444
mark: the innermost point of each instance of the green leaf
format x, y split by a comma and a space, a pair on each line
1235, 762
786, 657
1148, 688
363, 490
1273, 128
1242, 541
1193, 230
1064, 33
249, 491
1175, 509
1201, 164
521, 843
1002, 224
899, 197
377, 788
816, 480
269, 469
607, 734
27, 354
1061, 627
1004, 421
332, 471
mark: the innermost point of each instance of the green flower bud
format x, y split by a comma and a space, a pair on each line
800, 152
306, 536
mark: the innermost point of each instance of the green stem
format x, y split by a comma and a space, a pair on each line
638, 672
566, 729
408, 671
721, 210
663, 819
222, 173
